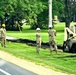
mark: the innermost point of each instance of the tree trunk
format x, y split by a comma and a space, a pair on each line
67, 13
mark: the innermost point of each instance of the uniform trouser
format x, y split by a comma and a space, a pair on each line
38, 48
3, 42
53, 45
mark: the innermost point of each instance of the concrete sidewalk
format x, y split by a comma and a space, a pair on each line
29, 65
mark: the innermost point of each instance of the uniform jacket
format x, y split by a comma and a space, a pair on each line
3, 32
52, 33
38, 38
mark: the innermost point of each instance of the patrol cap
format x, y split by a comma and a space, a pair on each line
38, 29
3, 25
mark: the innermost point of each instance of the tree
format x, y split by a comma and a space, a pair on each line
58, 9
5, 9
70, 11
25, 9
16, 16
41, 10
35, 12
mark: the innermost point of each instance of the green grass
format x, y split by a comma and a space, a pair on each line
31, 34
65, 62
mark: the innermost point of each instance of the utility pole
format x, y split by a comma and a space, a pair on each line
50, 13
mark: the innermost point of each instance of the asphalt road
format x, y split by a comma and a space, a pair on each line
7, 68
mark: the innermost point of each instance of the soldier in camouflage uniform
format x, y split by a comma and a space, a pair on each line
38, 40
52, 42
3, 36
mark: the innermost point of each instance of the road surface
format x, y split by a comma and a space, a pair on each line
7, 68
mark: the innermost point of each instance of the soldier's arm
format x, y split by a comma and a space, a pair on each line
38, 35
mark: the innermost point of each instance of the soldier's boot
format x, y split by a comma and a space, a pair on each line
1, 44
56, 49
51, 51
57, 52
4, 46
37, 50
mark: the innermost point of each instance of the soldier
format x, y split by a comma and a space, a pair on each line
3, 36
38, 40
52, 42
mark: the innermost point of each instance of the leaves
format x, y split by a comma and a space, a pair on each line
35, 12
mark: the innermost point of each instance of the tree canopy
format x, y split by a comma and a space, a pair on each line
35, 12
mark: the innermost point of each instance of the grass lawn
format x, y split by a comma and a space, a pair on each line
31, 34
65, 62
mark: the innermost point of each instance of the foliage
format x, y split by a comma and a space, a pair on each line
34, 12
5, 9
42, 18
70, 11
58, 9
36, 7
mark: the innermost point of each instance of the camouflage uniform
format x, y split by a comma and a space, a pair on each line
3, 37
38, 42
52, 42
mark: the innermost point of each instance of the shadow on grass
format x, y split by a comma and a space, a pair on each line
67, 56
60, 30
